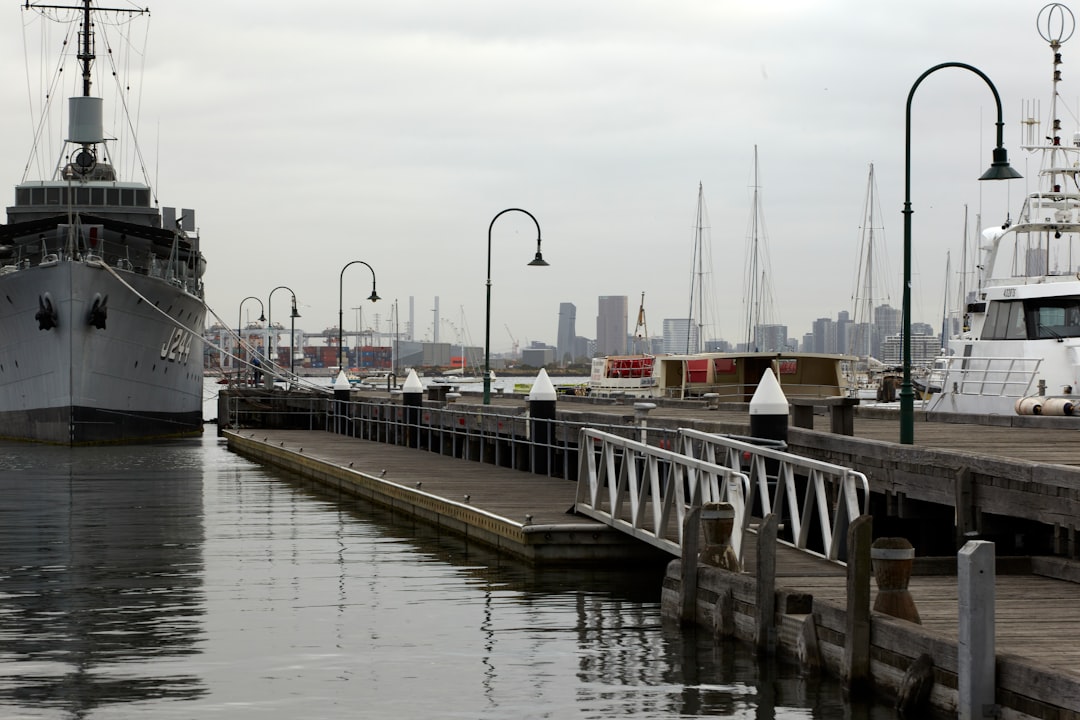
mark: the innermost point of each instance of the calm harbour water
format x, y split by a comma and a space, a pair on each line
181, 581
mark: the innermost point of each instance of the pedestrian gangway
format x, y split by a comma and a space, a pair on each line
648, 491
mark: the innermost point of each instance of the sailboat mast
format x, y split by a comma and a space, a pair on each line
701, 270
697, 271
945, 304
752, 291
870, 263
961, 306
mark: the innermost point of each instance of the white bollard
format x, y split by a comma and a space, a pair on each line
641, 412
976, 653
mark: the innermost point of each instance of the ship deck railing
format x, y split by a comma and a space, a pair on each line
1008, 377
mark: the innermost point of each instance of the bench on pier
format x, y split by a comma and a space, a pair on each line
841, 412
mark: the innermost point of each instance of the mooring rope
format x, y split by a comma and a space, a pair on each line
271, 368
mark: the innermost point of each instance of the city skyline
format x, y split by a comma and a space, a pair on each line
672, 338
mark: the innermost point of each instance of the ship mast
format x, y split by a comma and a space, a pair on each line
86, 53
85, 112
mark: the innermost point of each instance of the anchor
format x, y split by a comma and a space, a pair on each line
98, 312
46, 314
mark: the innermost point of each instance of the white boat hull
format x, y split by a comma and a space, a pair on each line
139, 377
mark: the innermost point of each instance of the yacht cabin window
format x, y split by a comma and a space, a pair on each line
1038, 319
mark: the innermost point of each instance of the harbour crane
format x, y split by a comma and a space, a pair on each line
513, 348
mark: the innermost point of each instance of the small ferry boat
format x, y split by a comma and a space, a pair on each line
730, 377
1019, 348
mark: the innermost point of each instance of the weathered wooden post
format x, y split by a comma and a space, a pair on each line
857, 638
718, 520
688, 566
976, 652
225, 419
542, 413
412, 398
892, 559
765, 602
341, 401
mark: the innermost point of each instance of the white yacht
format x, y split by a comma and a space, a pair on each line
1019, 348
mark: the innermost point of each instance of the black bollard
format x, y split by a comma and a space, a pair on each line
542, 399
769, 410
341, 401
412, 397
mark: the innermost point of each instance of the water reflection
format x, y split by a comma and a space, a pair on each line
555, 642
100, 574
184, 581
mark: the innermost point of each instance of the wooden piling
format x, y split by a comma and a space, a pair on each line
857, 676
765, 604
976, 653
688, 588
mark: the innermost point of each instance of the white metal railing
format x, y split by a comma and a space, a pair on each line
799, 489
646, 491
1009, 377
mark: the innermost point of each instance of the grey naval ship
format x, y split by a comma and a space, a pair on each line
101, 294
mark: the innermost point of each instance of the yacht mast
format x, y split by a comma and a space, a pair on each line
862, 341
753, 290
698, 262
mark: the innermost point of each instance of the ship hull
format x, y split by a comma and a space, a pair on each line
139, 377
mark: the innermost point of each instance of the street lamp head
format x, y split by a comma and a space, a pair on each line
1000, 169
262, 316
539, 260
294, 314
374, 296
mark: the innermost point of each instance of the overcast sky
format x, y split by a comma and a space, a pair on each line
308, 135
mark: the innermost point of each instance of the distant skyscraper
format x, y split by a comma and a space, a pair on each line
886, 323
611, 325
564, 340
680, 336
824, 330
770, 338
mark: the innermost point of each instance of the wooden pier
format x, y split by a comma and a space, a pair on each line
519, 513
